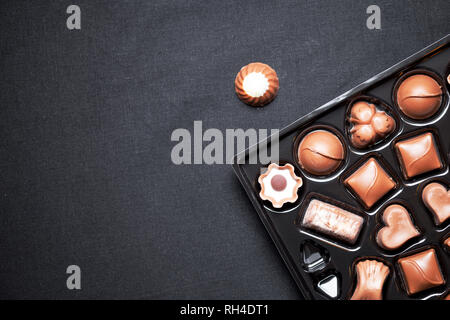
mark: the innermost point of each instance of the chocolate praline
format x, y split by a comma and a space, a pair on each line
369, 124
320, 152
419, 96
421, 271
256, 84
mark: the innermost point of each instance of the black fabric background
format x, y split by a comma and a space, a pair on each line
85, 124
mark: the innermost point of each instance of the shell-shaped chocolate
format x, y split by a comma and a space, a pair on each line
256, 84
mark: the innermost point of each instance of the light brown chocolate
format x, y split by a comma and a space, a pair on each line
320, 152
436, 198
256, 84
279, 184
332, 221
370, 182
369, 124
418, 155
419, 96
371, 275
399, 228
421, 271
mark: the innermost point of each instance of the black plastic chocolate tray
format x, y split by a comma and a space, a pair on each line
340, 258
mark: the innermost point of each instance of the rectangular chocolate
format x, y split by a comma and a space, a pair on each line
332, 221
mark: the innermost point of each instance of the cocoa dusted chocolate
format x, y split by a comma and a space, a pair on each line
436, 198
320, 152
279, 184
256, 84
419, 96
421, 271
332, 221
399, 228
418, 155
369, 124
370, 278
370, 182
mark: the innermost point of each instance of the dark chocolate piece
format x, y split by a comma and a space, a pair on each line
332, 221
320, 152
419, 96
370, 182
418, 155
421, 271
436, 198
371, 275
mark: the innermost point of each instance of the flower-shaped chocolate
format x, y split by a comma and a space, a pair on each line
369, 124
279, 184
256, 84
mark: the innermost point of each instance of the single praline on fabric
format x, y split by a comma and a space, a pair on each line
279, 184
256, 84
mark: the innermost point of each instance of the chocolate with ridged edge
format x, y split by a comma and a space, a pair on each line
256, 84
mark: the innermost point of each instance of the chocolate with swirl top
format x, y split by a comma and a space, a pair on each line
370, 182
421, 271
419, 96
418, 155
256, 84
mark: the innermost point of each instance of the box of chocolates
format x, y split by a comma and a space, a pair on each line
358, 203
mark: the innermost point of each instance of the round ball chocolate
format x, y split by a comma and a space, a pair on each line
320, 152
419, 96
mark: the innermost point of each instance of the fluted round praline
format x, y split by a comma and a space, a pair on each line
256, 84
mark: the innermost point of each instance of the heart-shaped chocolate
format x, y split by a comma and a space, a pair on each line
398, 230
437, 199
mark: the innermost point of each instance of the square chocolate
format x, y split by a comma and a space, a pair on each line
421, 271
370, 182
418, 155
